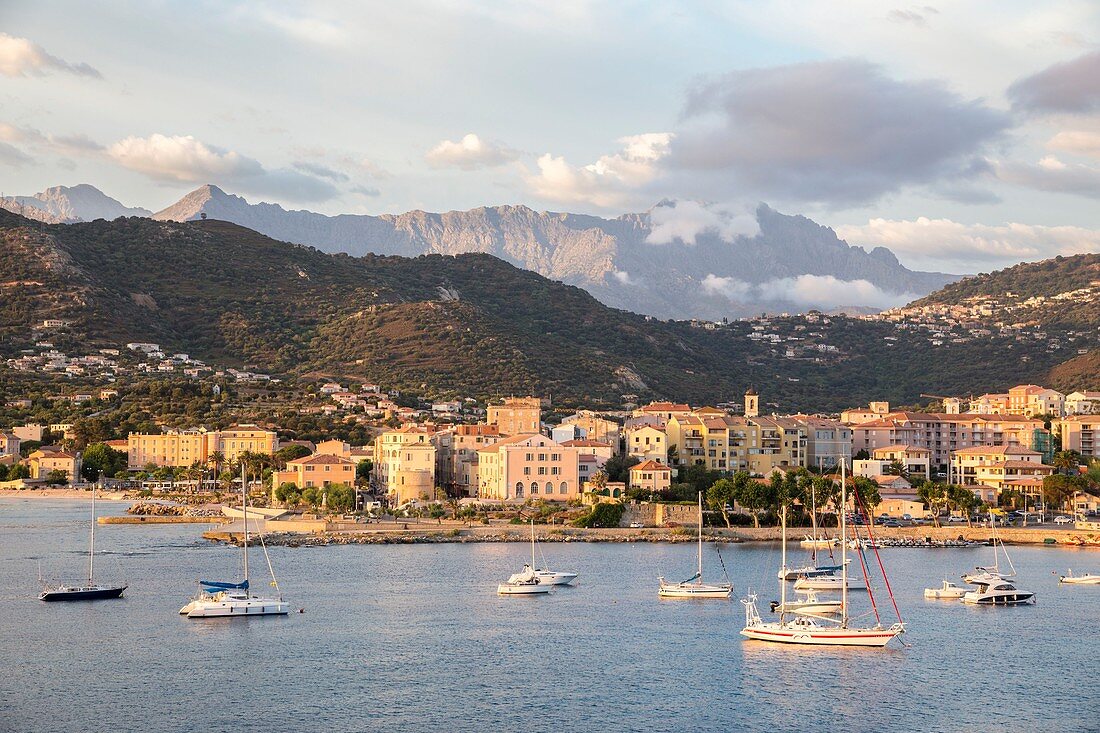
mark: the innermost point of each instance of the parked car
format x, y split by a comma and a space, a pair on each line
891, 523
1063, 520
635, 525
956, 519
907, 517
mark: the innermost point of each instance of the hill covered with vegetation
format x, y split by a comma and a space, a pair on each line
461, 325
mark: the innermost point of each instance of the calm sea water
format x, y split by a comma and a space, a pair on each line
415, 638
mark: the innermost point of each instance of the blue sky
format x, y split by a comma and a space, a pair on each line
963, 135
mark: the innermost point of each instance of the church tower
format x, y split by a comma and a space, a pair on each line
752, 403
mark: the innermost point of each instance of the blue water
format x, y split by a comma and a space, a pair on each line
414, 638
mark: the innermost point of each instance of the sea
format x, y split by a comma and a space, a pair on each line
415, 638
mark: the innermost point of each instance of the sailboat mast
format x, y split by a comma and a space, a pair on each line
244, 507
532, 543
91, 543
700, 536
783, 568
813, 521
843, 542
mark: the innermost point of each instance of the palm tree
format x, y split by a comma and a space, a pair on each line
217, 458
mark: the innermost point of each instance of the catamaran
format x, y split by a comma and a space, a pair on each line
694, 587
89, 591
819, 631
220, 599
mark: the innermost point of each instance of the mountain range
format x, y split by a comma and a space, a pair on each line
472, 324
790, 263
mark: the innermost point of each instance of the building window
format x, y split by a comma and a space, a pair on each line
534, 487
519, 491
549, 488
564, 487
542, 470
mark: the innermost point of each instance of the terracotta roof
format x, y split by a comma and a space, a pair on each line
650, 465
902, 447
996, 450
1027, 464
585, 443
322, 458
665, 407
512, 440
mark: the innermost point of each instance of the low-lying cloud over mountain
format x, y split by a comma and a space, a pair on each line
682, 259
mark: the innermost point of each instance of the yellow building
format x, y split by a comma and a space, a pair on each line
319, 469
404, 464
42, 462
647, 443
1082, 434
456, 456
516, 416
650, 476
989, 469
184, 448
724, 442
662, 411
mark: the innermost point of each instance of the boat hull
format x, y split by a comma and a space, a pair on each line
97, 593
779, 634
695, 591
1081, 580
505, 589
944, 595
1018, 598
550, 577
828, 583
236, 608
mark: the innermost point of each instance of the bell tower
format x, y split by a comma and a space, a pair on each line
752, 403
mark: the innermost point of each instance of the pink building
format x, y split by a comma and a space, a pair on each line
528, 466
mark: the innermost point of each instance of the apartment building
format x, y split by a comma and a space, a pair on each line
915, 460
827, 441
662, 411
516, 416
1031, 399
456, 456
319, 469
9, 444
1081, 433
990, 469
724, 442
647, 443
405, 463
1082, 403
650, 476
529, 466
184, 448
596, 427
47, 459
942, 433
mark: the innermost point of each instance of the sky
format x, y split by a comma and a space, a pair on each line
964, 136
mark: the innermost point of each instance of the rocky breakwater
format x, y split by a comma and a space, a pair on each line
152, 512
413, 535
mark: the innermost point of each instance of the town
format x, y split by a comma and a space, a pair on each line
1030, 449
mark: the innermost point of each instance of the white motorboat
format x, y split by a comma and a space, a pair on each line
947, 591
219, 599
1086, 579
829, 582
523, 583
545, 576
819, 543
809, 605
694, 587
817, 631
994, 590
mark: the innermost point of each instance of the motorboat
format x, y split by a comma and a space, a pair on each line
947, 591
1086, 579
88, 590
994, 590
694, 587
809, 604
221, 599
524, 583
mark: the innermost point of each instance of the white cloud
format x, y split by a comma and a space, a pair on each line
610, 180
623, 277
957, 247
1080, 142
1070, 86
22, 57
182, 158
729, 287
685, 220
13, 157
469, 153
1052, 174
66, 144
805, 291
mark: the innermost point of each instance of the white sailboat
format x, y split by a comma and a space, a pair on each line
694, 587
218, 599
550, 577
808, 604
523, 583
89, 591
813, 543
816, 631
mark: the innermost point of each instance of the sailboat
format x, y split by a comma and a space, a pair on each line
550, 577
813, 543
694, 587
808, 604
817, 631
219, 599
90, 591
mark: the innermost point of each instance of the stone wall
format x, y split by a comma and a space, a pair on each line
653, 514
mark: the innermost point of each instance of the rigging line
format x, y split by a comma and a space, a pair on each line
882, 569
717, 549
866, 575
270, 569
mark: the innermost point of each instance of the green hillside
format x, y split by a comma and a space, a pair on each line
465, 325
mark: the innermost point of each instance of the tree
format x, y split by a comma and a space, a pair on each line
57, 477
750, 494
602, 515
719, 496
618, 467
965, 500
341, 498
3, 472
289, 494
18, 471
288, 453
1058, 488
101, 459
934, 497
862, 455
1066, 461
598, 481
363, 471
896, 468
313, 496
867, 494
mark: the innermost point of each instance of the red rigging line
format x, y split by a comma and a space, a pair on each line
878, 558
866, 575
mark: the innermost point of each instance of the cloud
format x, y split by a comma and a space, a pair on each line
1080, 142
65, 144
365, 191
182, 158
805, 291
1071, 86
21, 57
321, 171
607, 182
13, 157
835, 132
943, 243
469, 153
685, 220
623, 277
1052, 174
913, 16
